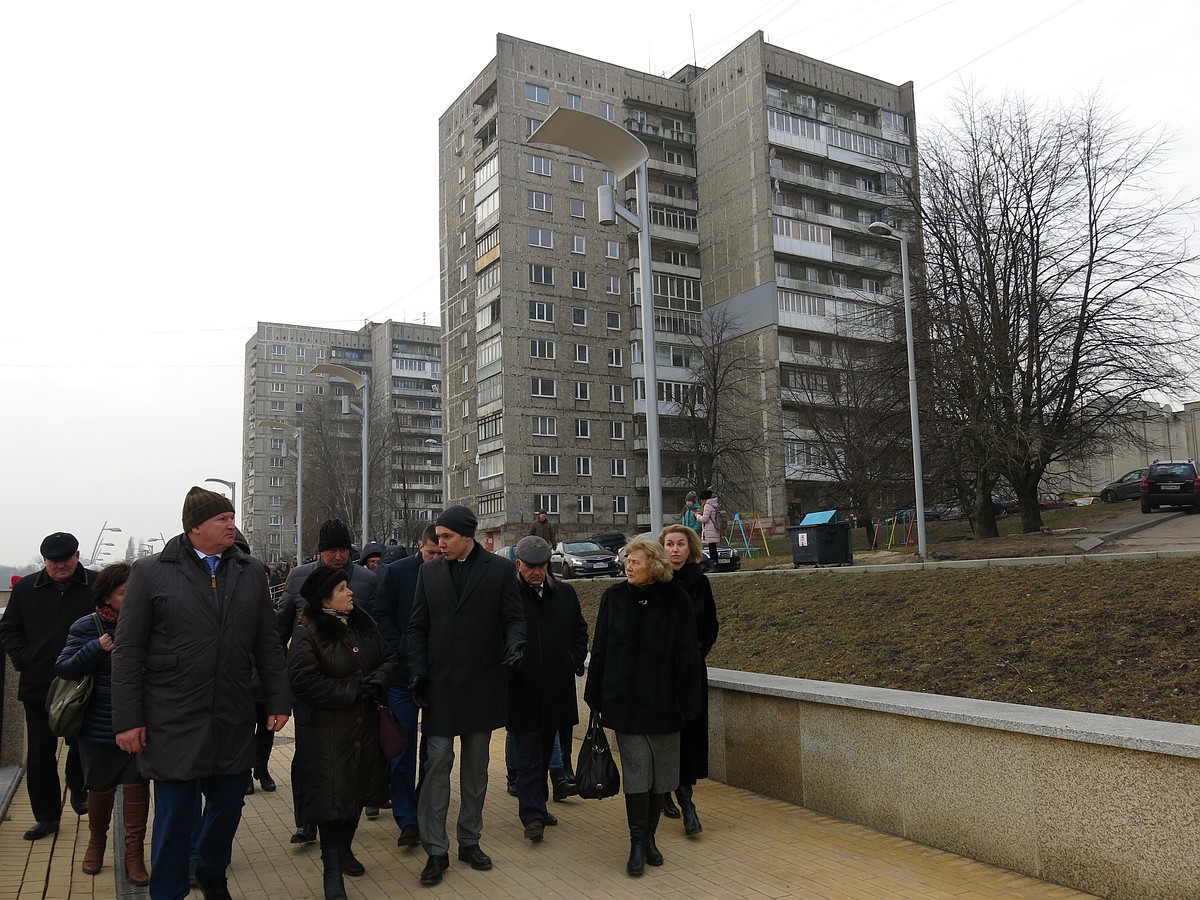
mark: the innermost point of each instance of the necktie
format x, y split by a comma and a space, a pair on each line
211, 562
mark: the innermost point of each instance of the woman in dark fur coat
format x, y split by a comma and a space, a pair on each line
685, 552
340, 667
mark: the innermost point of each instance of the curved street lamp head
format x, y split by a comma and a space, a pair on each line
293, 430
357, 379
594, 136
228, 484
882, 229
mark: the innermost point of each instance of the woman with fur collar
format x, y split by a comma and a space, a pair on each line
340, 667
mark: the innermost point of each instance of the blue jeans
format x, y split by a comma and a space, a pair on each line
404, 765
171, 840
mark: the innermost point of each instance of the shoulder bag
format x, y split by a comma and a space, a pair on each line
596, 773
67, 699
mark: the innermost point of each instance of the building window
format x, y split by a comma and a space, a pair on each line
545, 465
583, 466
466, 409
548, 502
578, 315
575, 172
578, 280
537, 165
617, 431
618, 467
543, 387
581, 353
545, 426
537, 93
276, 443
574, 101
275, 520
541, 237
583, 390
615, 357
585, 504
583, 428
616, 393
612, 285
539, 200
609, 178
278, 387
540, 311
578, 209
278, 406
620, 505
607, 111
279, 369
275, 481
578, 243
541, 349
276, 500
541, 274
677, 258
531, 125
279, 350
276, 462
612, 250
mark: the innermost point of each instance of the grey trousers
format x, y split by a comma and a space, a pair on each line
433, 800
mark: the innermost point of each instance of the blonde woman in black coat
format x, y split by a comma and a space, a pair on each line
644, 680
340, 667
685, 552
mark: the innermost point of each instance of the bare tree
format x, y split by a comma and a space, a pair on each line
1056, 287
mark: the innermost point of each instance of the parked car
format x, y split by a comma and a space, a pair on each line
1127, 487
728, 559
610, 540
582, 559
910, 515
1170, 483
1054, 501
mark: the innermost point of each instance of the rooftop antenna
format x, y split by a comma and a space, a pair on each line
692, 29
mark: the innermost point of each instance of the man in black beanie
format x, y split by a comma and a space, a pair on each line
467, 625
333, 549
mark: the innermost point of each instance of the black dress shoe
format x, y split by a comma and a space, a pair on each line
371, 812
669, 809
476, 857
410, 836
350, 864
268, 783
249, 785
432, 873
79, 803
305, 834
41, 830
551, 819
213, 886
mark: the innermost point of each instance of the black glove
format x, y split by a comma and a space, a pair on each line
515, 654
370, 688
418, 687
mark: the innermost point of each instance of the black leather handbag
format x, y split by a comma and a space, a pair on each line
596, 773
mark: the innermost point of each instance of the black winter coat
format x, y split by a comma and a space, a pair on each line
645, 672
693, 740
395, 585
541, 690
181, 665
339, 766
82, 656
34, 628
459, 643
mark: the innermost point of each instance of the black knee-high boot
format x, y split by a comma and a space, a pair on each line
691, 821
653, 857
333, 837
350, 864
637, 811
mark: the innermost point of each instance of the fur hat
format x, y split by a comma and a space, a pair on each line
200, 505
458, 519
333, 535
319, 585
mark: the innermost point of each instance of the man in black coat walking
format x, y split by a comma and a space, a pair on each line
541, 690
466, 626
33, 631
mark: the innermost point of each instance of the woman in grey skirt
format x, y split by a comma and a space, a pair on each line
644, 679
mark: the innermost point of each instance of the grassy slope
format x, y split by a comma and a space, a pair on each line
1113, 638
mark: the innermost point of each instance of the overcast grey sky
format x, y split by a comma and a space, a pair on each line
172, 173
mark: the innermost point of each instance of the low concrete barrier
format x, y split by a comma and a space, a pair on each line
1103, 804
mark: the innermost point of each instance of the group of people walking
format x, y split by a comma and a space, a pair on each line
183, 644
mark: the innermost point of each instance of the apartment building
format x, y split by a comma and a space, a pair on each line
764, 171
402, 364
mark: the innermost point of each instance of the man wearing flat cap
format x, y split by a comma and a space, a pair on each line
466, 626
541, 691
195, 618
333, 549
40, 612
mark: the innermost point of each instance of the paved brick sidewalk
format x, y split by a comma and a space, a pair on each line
751, 847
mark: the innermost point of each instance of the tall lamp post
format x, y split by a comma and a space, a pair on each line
99, 537
623, 154
232, 485
297, 433
359, 382
882, 229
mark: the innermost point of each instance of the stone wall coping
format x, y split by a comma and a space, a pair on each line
1171, 738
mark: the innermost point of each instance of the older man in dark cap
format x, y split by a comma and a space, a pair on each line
466, 626
40, 612
541, 691
195, 619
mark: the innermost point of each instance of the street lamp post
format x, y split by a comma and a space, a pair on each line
881, 229
359, 383
623, 154
232, 485
99, 537
297, 432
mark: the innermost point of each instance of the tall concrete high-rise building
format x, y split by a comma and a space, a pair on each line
765, 170
402, 362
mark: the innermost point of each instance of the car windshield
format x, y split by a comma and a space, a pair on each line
583, 547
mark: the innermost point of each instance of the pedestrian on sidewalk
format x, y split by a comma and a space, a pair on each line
105, 765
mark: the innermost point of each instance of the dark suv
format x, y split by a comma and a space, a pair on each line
1170, 483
